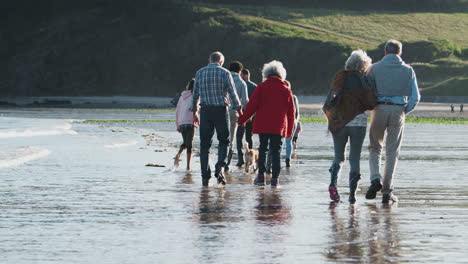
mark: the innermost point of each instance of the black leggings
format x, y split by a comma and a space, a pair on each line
187, 132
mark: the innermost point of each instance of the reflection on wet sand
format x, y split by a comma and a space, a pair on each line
384, 239
187, 179
49, 209
272, 222
372, 239
270, 210
212, 219
237, 176
212, 207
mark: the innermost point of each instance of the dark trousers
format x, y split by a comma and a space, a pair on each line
241, 130
187, 132
211, 118
270, 143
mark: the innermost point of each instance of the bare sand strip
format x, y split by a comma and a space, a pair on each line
310, 105
88, 101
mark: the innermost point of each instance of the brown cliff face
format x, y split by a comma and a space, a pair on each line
92, 48
146, 48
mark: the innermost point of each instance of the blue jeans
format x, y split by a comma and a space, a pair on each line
289, 143
211, 118
356, 135
271, 143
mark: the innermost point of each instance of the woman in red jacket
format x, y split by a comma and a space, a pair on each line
273, 105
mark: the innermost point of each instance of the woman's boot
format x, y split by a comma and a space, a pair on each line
354, 178
334, 170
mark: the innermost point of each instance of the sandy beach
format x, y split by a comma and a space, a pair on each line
79, 192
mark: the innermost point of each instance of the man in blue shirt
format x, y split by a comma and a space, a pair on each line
214, 90
397, 94
247, 129
241, 88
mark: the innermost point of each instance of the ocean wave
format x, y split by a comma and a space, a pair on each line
122, 144
61, 129
21, 155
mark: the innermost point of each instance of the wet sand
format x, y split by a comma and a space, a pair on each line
424, 109
92, 200
309, 105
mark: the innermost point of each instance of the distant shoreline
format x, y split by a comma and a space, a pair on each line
309, 105
137, 102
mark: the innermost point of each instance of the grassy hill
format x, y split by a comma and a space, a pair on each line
151, 47
364, 29
436, 44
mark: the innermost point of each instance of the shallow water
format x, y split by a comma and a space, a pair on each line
89, 199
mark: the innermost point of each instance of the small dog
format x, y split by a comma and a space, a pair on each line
251, 159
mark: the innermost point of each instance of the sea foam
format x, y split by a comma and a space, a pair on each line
11, 158
121, 144
55, 129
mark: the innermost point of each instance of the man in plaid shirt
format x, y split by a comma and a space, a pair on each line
214, 89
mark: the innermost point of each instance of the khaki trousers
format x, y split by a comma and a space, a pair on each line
389, 119
233, 117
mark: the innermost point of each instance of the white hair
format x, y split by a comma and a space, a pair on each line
358, 61
393, 46
216, 57
274, 68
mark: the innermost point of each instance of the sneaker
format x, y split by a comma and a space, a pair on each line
274, 182
373, 189
259, 180
334, 196
288, 163
219, 175
221, 179
387, 198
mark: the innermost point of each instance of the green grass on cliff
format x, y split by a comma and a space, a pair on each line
436, 44
456, 86
358, 29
